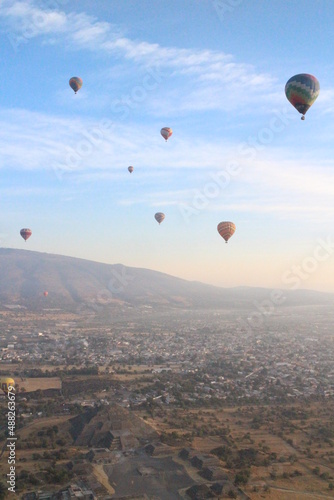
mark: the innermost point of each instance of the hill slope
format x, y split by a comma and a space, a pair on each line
25, 275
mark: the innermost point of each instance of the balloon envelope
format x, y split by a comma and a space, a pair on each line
226, 230
130, 169
159, 217
6, 382
75, 83
25, 233
301, 91
46, 294
166, 132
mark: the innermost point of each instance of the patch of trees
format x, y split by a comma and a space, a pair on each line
58, 474
241, 459
3, 491
222, 452
172, 438
324, 475
257, 422
295, 414
25, 477
242, 477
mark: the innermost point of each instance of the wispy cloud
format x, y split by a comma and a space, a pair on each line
214, 79
185, 178
36, 141
279, 172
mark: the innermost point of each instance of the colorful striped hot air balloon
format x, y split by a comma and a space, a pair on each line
159, 217
75, 83
25, 233
301, 91
166, 132
130, 169
226, 230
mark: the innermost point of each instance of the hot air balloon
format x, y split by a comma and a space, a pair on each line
6, 382
46, 293
130, 169
75, 83
166, 132
301, 91
159, 217
25, 233
226, 230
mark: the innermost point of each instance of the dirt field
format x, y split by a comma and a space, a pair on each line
38, 424
35, 384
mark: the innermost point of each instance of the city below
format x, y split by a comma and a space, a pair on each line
172, 403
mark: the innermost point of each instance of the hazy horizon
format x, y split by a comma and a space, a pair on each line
272, 289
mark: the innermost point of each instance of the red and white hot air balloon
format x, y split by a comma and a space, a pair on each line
25, 233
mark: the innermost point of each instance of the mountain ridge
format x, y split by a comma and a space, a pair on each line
25, 275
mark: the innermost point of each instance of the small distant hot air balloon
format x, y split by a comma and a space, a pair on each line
75, 83
226, 230
166, 132
159, 217
130, 169
301, 91
25, 233
46, 293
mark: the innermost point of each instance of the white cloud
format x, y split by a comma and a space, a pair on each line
214, 78
36, 141
177, 174
26, 20
31, 140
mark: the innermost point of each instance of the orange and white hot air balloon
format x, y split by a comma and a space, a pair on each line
159, 217
226, 230
166, 132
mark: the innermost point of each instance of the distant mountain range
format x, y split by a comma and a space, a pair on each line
73, 283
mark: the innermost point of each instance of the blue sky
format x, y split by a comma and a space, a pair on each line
213, 71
